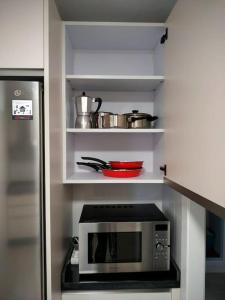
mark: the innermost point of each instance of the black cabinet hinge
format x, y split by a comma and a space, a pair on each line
164, 169
164, 37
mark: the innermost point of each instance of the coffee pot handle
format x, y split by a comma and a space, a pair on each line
99, 100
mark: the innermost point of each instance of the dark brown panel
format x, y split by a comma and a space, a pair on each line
209, 205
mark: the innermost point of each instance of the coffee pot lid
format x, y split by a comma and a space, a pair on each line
83, 95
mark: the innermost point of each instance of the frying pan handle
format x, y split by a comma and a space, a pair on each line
96, 167
95, 159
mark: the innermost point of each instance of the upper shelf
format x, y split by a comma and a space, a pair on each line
114, 35
114, 82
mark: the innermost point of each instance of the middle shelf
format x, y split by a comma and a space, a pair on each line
94, 177
115, 130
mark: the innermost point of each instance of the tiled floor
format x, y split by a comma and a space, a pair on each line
215, 286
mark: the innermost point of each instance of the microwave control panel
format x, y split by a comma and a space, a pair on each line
161, 247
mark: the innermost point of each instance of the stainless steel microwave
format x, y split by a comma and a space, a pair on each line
123, 238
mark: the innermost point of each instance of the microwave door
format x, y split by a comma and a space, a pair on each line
100, 254
97, 248
92, 248
103, 247
113, 246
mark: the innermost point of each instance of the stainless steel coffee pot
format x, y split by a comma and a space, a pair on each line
84, 110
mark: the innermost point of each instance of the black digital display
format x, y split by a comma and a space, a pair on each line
161, 227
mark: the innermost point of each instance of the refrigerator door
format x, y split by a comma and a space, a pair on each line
21, 199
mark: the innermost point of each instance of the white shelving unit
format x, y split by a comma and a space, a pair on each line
123, 64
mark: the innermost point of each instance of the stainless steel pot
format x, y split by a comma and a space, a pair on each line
108, 120
118, 121
101, 119
140, 120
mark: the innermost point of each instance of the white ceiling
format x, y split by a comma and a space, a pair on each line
115, 10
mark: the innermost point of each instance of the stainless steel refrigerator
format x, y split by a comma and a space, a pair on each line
21, 190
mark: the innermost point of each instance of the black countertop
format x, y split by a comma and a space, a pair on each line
71, 281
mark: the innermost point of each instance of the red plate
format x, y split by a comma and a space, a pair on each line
121, 173
126, 164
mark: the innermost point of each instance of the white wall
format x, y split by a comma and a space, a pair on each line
21, 33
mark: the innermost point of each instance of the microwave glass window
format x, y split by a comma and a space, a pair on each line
114, 247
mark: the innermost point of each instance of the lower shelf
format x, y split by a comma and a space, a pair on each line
71, 280
94, 177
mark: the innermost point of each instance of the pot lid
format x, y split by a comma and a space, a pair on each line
104, 113
135, 113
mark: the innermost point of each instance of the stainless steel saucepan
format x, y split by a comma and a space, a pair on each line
108, 120
129, 120
140, 120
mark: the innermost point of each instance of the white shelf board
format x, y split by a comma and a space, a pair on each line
94, 177
114, 130
114, 35
115, 24
114, 82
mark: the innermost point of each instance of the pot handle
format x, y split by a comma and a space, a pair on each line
148, 118
96, 167
99, 100
154, 118
104, 163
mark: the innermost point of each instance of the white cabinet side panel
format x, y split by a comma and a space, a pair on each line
69, 53
192, 251
159, 59
21, 32
195, 93
175, 294
159, 142
58, 204
172, 207
187, 242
